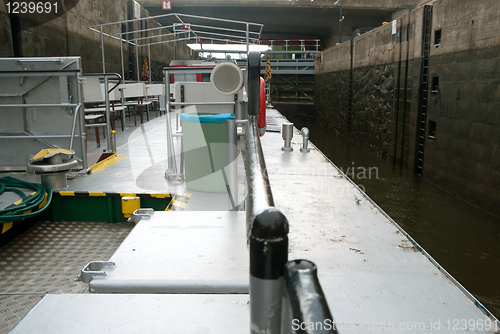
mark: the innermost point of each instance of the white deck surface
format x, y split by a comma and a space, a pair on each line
137, 314
373, 277
184, 246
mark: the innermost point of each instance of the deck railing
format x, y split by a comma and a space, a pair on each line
41, 106
305, 309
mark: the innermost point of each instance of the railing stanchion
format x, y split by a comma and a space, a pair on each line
170, 163
107, 114
232, 163
268, 256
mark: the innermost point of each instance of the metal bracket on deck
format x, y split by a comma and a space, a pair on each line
139, 214
94, 269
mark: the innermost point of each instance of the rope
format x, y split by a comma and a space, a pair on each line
31, 203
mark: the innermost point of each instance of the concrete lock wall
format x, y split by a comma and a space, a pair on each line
6, 49
68, 35
370, 89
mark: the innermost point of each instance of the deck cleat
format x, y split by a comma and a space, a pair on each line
52, 165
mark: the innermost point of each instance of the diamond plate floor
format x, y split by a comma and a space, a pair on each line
47, 258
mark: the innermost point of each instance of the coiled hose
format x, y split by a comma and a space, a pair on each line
31, 203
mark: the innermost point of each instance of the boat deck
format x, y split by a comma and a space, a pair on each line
374, 276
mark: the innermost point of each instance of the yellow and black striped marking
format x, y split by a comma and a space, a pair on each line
179, 202
106, 163
8, 226
103, 194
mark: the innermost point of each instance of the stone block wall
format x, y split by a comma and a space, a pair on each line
68, 35
332, 80
332, 94
370, 90
464, 157
373, 107
361, 85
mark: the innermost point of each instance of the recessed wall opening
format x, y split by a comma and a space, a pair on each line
432, 129
435, 85
437, 37
15, 24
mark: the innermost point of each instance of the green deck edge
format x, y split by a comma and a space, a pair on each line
105, 208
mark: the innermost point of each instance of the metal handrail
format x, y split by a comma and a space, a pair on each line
306, 302
260, 195
267, 227
102, 75
259, 189
268, 238
267, 231
250, 34
106, 99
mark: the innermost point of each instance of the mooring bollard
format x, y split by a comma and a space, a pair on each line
287, 135
305, 137
268, 256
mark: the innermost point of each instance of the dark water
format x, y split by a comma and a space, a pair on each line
462, 238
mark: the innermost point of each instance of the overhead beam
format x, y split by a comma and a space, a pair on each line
352, 4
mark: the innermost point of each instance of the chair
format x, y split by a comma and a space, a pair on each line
154, 91
134, 95
93, 93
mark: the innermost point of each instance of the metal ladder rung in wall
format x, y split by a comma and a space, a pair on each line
419, 164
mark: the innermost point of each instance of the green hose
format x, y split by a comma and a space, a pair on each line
31, 203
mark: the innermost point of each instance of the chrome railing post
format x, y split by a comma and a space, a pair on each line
83, 136
108, 113
238, 110
173, 172
232, 163
170, 156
